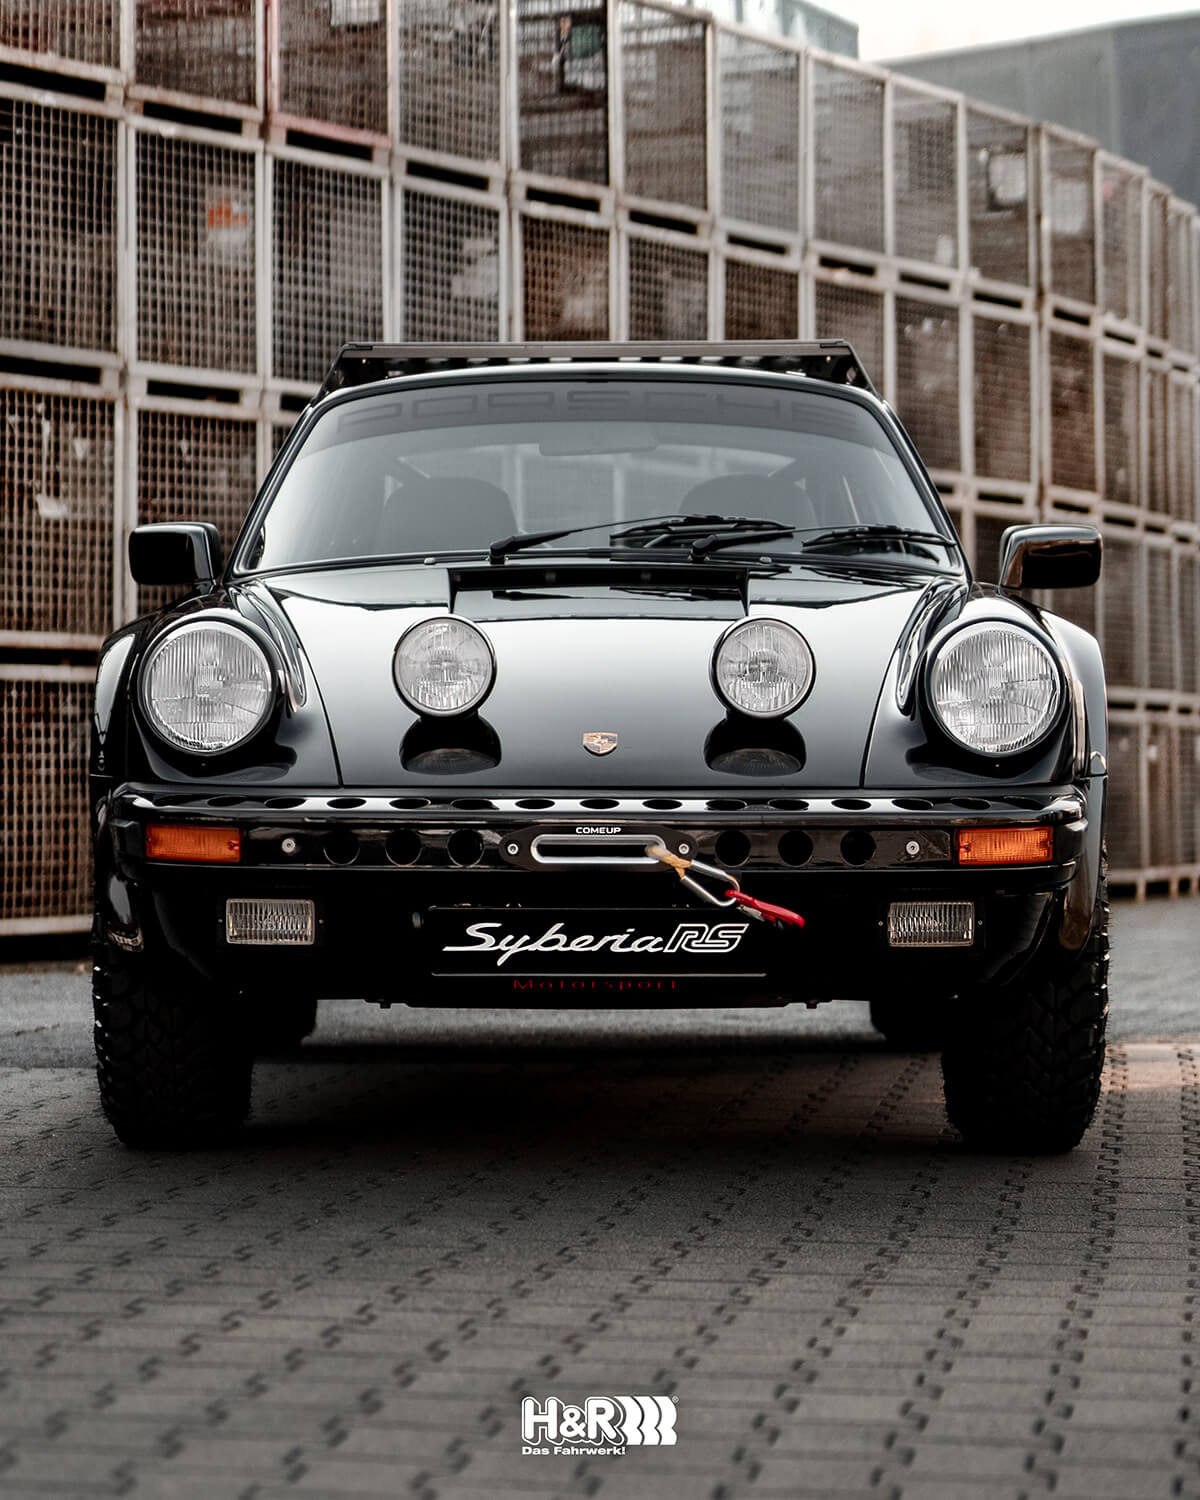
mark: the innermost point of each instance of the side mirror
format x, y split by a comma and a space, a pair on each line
1050, 557
175, 552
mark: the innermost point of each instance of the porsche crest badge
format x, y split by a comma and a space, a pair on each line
600, 741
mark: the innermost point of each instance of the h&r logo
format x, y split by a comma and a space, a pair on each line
605, 1424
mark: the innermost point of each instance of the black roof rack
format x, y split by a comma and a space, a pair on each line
832, 360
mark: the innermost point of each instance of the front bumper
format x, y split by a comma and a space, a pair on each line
388, 874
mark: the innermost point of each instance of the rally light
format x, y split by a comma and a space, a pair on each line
193, 842
270, 923
1005, 846
931, 924
762, 668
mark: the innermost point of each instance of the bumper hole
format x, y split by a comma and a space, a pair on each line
599, 804
346, 801
535, 803
913, 804
788, 804
732, 848
795, 847
662, 804
464, 847
403, 847
340, 847
726, 804
857, 847
472, 804
974, 804
851, 804
284, 802
406, 804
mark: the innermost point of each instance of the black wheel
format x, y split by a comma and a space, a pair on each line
1023, 1073
173, 1062
911, 1023
280, 1025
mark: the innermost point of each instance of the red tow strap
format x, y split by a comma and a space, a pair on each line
764, 909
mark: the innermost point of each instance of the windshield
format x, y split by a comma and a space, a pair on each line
456, 468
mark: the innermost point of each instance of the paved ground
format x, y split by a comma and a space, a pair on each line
761, 1215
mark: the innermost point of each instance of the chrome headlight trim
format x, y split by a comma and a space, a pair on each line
792, 637
470, 703
243, 639
935, 690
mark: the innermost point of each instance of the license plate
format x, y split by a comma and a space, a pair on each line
554, 943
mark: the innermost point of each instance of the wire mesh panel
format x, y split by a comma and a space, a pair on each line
927, 396
451, 269
84, 31
58, 226
663, 57
1003, 399
332, 63
988, 531
194, 468
197, 296
1123, 600
1157, 496
1160, 619
564, 279
44, 842
562, 72
1069, 207
760, 302
205, 47
760, 131
998, 176
1189, 617
1156, 263
1181, 459
1161, 795
448, 60
847, 126
925, 176
1076, 605
1072, 413
1123, 806
852, 312
1187, 761
1122, 429
328, 261
668, 291
1121, 244
56, 523
1181, 333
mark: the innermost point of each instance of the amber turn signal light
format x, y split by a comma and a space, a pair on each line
1005, 846
201, 845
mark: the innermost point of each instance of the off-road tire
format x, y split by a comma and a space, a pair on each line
911, 1024
280, 1025
173, 1064
1023, 1073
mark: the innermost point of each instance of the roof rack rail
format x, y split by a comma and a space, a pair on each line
832, 360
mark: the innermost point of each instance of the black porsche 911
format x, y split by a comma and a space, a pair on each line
601, 676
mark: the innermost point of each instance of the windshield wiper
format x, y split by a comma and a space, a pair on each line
667, 525
821, 539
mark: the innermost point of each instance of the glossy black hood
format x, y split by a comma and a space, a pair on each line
574, 658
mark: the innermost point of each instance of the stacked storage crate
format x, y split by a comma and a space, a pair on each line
207, 197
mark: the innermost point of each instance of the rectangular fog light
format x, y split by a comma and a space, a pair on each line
290, 924
931, 924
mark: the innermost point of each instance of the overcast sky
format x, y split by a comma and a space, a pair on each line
893, 28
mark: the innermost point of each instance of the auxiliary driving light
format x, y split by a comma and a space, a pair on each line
1005, 846
280, 924
931, 924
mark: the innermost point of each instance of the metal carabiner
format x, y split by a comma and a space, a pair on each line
682, 866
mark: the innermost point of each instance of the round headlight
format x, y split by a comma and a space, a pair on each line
207, 687
763, 668
995, 688
443, 666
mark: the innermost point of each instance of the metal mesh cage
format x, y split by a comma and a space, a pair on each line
1160, 619
1122, 429
451, 269
1187, 761
852, 312
1070, 213
196, 254
328, 264
1072, 413
84, 31
562, 72
666, 118
58, 226
760, 131
1158, 496
1181, 461
56, 527
925, 175
998, 197
1181, 332
927, 379
564, 277
1121, 245
1160, 795
1122, 609
333, 62
194, 468
1003, 399
44, 844
668, 291
1156, 263
1123, 805
448, 59
847, 159
1189, 618
760, 302
204, 47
